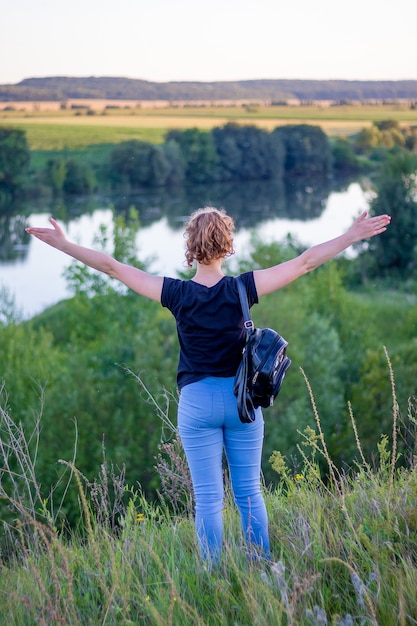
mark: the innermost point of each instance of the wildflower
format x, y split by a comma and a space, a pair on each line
299, 477
359, 587
140, 517
318, 616
278, 570
278, 463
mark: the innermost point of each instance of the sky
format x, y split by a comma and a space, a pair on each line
220, 40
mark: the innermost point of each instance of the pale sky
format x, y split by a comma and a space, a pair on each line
185, 40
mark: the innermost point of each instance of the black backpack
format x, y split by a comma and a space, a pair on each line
263, 366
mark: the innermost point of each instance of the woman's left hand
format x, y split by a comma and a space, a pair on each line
365, 227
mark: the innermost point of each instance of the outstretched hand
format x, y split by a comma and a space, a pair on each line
55, 236
365, 227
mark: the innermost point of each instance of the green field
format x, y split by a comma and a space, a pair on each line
62, 130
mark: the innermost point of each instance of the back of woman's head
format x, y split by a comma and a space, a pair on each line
209, 236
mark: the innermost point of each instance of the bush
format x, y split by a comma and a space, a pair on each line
138, 163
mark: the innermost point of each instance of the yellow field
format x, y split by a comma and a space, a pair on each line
49, 129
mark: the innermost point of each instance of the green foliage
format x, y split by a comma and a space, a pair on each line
176, 161
344, 157
79, 178
138, 163
330, 330
233, 152
198, 153
307, 150
384, 136
394, 253
8, 309
85, 345
248, 153
14, 161
71, 176
56, 172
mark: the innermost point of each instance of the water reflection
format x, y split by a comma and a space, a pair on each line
33, 272
14, 241
249, 203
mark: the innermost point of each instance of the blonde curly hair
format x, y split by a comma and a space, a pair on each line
208, 236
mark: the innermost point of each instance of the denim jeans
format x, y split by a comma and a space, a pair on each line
208, 422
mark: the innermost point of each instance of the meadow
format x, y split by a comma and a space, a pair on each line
79, 129
344, 548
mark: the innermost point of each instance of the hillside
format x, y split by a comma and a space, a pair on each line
118, 88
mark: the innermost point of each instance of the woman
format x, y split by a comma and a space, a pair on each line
211, 336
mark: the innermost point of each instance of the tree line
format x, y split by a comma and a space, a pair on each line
231, 153
60, 88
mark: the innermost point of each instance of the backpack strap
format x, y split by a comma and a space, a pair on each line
248, 323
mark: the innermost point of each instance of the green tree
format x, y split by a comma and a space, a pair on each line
138, 163
394, 252
79, 178
307, 150
56, 172
176, 163
248, 153
372, 394
199, 154
344, 158
14, 161
367, 139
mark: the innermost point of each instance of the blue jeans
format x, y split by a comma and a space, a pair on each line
208, 421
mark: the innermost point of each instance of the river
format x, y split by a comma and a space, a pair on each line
33, 277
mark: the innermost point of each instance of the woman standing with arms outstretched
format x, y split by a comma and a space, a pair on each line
211, 337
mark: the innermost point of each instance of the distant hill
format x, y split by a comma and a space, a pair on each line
59, 88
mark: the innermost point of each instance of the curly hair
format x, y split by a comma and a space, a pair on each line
208, 236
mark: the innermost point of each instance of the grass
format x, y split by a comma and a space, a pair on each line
344, 550
61, 130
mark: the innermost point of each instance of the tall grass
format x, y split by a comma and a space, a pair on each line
344, 546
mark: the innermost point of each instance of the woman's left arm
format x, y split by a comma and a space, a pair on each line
142, 282
273, 278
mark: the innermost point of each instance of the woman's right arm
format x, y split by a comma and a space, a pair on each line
272, 278
142, 282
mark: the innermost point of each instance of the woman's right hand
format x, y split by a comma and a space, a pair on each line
55, 236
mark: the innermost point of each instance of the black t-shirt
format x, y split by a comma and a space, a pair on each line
209, 325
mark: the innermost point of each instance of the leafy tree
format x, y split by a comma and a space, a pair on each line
394, 252
138, 163
199, 154
385, 134
8, 309
176, 163
79, 178
367, 139
12, 237
248, 153
411, 139
307, 150
344, 157
387, 125
56, 172
372, 394
14, 161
